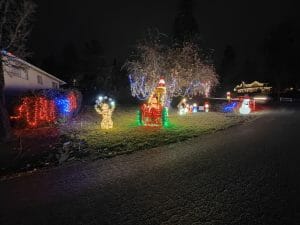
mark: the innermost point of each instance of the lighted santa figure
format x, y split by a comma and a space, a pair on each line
105, 107
159, 94
152, 111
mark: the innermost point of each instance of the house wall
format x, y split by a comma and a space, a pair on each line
24, 80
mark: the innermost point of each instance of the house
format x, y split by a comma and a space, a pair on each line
254, 87
21, 76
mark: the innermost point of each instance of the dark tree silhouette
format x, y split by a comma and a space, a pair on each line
281, 52
92, 67
185, 25
71, 63
50, 64
15, 21
228, 68
186, 30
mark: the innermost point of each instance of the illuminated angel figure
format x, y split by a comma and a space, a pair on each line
105, 107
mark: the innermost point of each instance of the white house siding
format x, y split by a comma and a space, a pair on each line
19, 80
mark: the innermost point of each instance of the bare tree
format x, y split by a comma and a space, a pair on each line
15, 21
182, 68
146, 66
188, 73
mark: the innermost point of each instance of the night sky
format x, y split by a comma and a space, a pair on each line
117, 24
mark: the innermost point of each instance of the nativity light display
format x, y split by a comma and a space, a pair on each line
154, 112
105, 107
183, 107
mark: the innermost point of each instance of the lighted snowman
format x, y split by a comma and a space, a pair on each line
245, 107
105, 107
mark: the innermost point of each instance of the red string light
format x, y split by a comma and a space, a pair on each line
151, 116
72, 102
36, 111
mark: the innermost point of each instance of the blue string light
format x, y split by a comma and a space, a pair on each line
229, 107
63, 105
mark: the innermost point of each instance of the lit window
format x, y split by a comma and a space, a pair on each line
39, 79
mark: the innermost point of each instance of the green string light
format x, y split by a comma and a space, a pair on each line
165, 117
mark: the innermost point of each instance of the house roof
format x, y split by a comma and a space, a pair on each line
8, 54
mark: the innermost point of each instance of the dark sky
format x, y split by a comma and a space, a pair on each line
117, 24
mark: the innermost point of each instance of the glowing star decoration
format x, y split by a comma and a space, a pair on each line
245, 106
153, 113
105, 107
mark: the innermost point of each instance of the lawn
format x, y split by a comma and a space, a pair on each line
127, 136
83, 139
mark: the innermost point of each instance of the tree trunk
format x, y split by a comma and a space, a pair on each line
5, 129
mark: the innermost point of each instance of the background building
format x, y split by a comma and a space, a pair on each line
254, 87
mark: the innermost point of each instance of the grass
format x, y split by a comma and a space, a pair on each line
127, 136
45, 146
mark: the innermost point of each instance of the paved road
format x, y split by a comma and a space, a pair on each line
247, 174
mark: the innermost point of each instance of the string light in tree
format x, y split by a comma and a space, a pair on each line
186, 73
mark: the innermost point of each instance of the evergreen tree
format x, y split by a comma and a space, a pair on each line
228, 68
185, 25
282, 51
